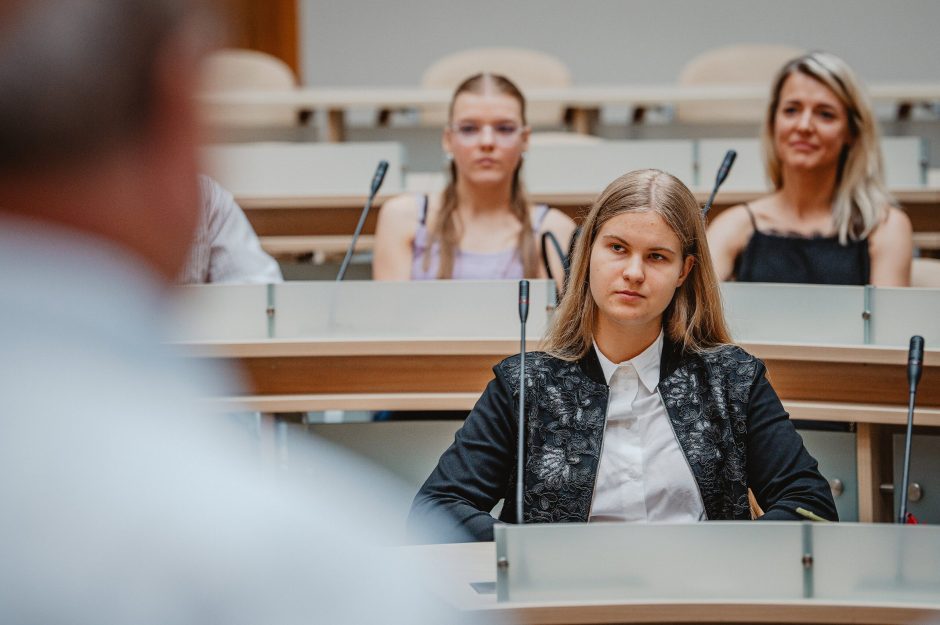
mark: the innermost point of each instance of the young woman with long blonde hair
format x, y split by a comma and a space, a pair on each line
639, 407
482, 226
830, 220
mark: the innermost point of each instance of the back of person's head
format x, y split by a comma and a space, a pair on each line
694, 320
77, 76
860, 195
96, 108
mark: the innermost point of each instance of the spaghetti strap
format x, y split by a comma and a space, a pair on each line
750, 214
541, 211
422, 200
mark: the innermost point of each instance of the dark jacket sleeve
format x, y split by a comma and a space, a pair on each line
474, 473
782, 474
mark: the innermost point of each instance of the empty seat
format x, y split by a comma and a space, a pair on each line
746, 64
528, 69
238, 70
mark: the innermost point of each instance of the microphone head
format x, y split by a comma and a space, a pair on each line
523, 300
378, 177
915, 361
726, 164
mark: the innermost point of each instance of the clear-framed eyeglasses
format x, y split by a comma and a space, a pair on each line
504, 134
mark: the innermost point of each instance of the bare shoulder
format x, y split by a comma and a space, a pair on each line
895, 228
401, 206
733, 225
398, 216
895, 220
736, 215
557, 220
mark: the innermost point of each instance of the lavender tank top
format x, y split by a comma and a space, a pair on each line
505, 264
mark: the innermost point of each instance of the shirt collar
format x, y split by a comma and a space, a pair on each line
646, 364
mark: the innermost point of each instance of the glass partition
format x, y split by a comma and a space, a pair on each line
876, 562
443, 309
608, 561
364, 310
221, 312
897, 314
767, 561
795, 313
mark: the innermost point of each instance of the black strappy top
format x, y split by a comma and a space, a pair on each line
773, 257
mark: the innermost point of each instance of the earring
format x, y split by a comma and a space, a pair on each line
448, 157
523, 155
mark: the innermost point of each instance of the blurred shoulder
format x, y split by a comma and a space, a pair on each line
738, 218
894, 223
402, 205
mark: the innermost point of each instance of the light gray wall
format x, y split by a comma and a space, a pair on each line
391, 42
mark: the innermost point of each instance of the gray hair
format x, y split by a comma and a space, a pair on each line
77, 75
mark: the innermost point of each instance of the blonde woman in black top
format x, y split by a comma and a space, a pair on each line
831, 220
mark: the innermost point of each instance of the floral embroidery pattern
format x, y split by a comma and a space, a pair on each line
565, 413
706, 399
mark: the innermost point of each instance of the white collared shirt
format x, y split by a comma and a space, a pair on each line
643, 473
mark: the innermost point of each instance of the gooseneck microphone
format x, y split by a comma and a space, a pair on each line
915, 363
723, 171
520, 446
376, 184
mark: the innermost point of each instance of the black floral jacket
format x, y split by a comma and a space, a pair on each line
727, 418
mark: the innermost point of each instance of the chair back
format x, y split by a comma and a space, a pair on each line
746, 64
240, 70
925, 272
526, 68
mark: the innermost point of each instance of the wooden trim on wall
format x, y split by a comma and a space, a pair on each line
267, 25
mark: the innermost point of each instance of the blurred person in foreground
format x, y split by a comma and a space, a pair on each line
126, 500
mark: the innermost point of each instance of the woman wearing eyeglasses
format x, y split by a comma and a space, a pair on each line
482, 226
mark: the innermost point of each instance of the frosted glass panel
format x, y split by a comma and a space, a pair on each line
877, 563
650, 561
905, 161
590, 168
423, 309
220, 312
897, 314
746, 174
304, 169
798, 313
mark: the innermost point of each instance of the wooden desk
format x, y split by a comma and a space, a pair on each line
862, 385
584, 101
457, 566
314, 216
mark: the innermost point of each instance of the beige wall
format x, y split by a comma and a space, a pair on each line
352, 42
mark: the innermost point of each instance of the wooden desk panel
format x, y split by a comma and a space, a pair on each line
336, 216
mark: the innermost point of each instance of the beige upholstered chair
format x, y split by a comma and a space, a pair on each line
527, 68
925, 272
747, 64
248, 70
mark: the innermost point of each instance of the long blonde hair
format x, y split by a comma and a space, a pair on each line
860, 196
444, 229
694, 320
